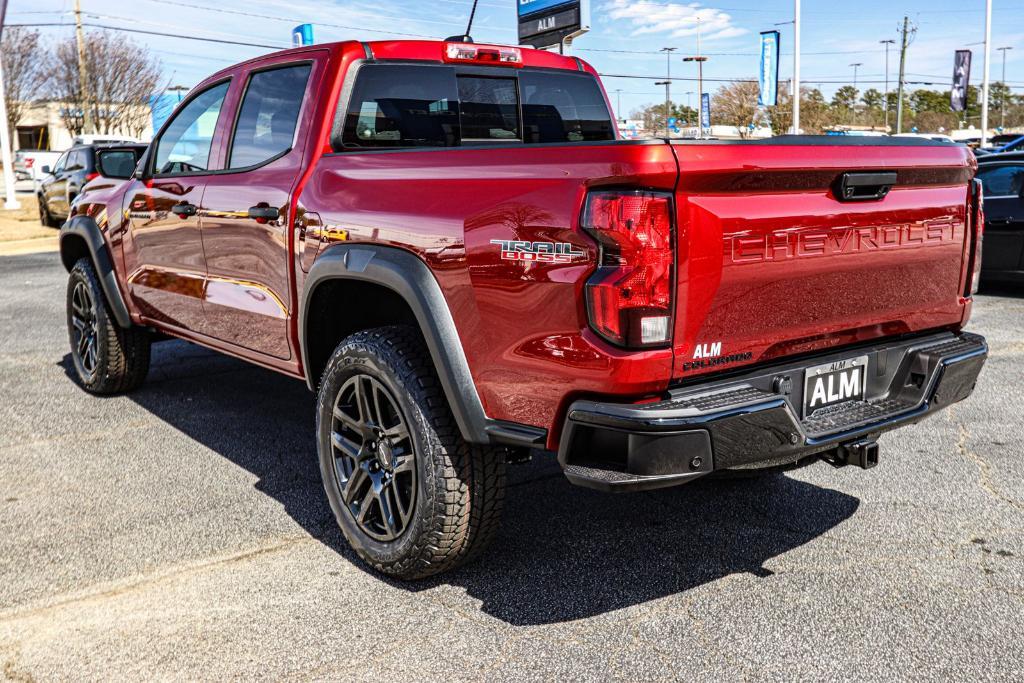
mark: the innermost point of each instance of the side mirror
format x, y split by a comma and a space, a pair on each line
118, 164
45, 170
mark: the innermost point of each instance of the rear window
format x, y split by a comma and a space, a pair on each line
1002, 181
488, 109
402, 105
563, 107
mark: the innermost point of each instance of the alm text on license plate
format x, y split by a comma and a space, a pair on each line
834, 383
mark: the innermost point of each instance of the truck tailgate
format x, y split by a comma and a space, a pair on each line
771, 263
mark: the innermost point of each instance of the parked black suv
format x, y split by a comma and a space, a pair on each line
1002, 178
65, 180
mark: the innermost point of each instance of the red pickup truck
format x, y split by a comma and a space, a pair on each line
450, 245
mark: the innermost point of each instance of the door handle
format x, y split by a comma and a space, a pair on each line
184, 210
263, 213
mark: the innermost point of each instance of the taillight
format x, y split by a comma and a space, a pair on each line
629, 298
91, 176
28, 163
976, 234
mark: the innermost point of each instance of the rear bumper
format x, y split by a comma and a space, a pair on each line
754, 420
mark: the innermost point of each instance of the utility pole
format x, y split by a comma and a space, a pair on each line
10, 198
618, 103
700, 92
1002, 100
903, 64
668, 84
796, 67
985, 73
83, 78
855, 65
665, 83
885, 101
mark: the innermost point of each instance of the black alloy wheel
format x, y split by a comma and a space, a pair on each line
374, 458
410, 495
84, 330
107, 358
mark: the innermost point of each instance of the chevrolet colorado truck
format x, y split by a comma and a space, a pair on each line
450, 245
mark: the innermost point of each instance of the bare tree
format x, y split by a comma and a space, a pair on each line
735, 104
23, 71
122, 78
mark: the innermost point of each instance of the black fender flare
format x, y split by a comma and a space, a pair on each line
409, 277
86, 228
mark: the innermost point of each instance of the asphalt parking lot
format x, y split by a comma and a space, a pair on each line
182, 532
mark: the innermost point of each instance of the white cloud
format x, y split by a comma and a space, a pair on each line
674, 19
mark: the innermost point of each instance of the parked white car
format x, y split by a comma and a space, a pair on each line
28, 163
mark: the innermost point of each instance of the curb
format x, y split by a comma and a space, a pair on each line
31, 246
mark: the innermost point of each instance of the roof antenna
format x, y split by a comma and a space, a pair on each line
465, 38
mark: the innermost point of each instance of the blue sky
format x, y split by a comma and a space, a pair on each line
624, 39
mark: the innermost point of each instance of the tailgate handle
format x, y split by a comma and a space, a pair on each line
862, 187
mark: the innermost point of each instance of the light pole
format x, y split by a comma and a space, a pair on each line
668, 83
1002, 100
885, 101
984, 74
855, 65
700, 91
796, 67
689, 105
618, 103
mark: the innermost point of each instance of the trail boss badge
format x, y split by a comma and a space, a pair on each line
540, 252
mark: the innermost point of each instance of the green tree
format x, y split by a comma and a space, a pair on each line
872, 99
845, 97
653, 116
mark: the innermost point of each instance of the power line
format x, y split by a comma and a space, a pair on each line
158, 33
271, 17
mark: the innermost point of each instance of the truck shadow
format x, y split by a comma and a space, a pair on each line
564, 553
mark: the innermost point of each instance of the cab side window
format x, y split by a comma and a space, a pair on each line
269, 115
186, 143
1002, 181
61, 163
75, 161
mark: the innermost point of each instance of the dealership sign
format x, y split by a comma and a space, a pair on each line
546, 23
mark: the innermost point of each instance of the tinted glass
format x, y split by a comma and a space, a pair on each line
401, 106
269, 114
76, 160
489, 107
563, 107
61, 162
1000, 181
185, 144
117, 163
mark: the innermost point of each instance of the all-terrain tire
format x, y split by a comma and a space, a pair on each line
459, 487
118, 359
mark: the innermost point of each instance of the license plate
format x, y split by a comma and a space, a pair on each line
833, 383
